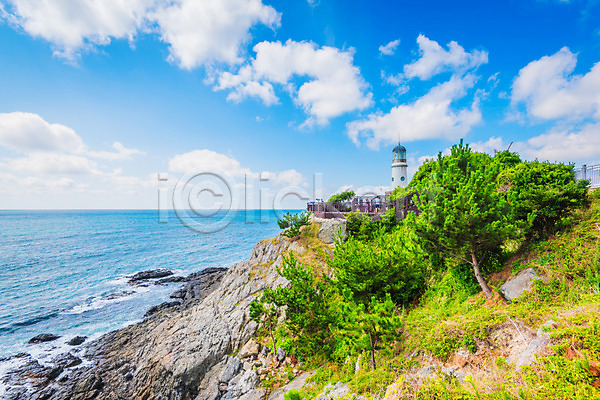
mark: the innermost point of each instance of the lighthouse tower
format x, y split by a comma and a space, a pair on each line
399, 178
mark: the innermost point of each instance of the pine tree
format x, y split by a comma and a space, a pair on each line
464, 216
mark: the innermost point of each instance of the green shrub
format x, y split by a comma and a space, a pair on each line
293, 222
543, 194
292, 395
307, 302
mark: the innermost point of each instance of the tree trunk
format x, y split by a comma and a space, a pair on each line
486, 289
373, 342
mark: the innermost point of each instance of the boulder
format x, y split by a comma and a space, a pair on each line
519, 283
251, 348
77, 340
44, 337
330, 229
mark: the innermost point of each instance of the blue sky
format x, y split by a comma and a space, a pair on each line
98, 96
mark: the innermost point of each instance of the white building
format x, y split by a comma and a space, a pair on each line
399, 173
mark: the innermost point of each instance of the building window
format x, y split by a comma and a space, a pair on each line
402, 179
392, 179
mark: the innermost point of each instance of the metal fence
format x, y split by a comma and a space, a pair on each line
373, 206
591, 173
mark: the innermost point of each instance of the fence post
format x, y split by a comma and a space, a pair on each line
583, 171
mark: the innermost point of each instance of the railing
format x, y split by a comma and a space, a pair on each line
374, 207
591, 173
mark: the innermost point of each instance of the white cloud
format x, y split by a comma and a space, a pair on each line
55, 160
289, 177
207, 160
10, 183
490, 146
335, 85
197, 32
564, 145
434, 59
390, 48
26, 132
549, 89
74, 25
201, 32
122, 153
210, 161
431, 116
244, 86
54, 164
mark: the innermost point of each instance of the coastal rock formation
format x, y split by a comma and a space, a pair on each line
177, 353
151, 274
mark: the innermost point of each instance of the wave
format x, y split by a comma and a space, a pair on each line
101, 302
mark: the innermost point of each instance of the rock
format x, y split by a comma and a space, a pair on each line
232, 368
44, 337
77, 340
332, 392
211, 392
254, 394
330, 229
151, 274
427, 371
199, 285
67, 360
280, 354
297, 383
161, 307
519, 283
265, 351
251, 348
118, 295
171, 279
535, 347
247, 382
247, 366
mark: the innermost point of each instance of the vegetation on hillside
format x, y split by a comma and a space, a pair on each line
413, 292
293, 222
344, 196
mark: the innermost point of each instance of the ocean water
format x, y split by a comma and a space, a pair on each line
64, 272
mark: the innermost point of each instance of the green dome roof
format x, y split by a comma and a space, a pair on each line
399, 148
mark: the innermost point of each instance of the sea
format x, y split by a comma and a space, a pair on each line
66, 272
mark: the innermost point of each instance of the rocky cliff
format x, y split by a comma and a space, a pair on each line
175, 353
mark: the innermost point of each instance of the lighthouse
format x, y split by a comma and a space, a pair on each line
399, 178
